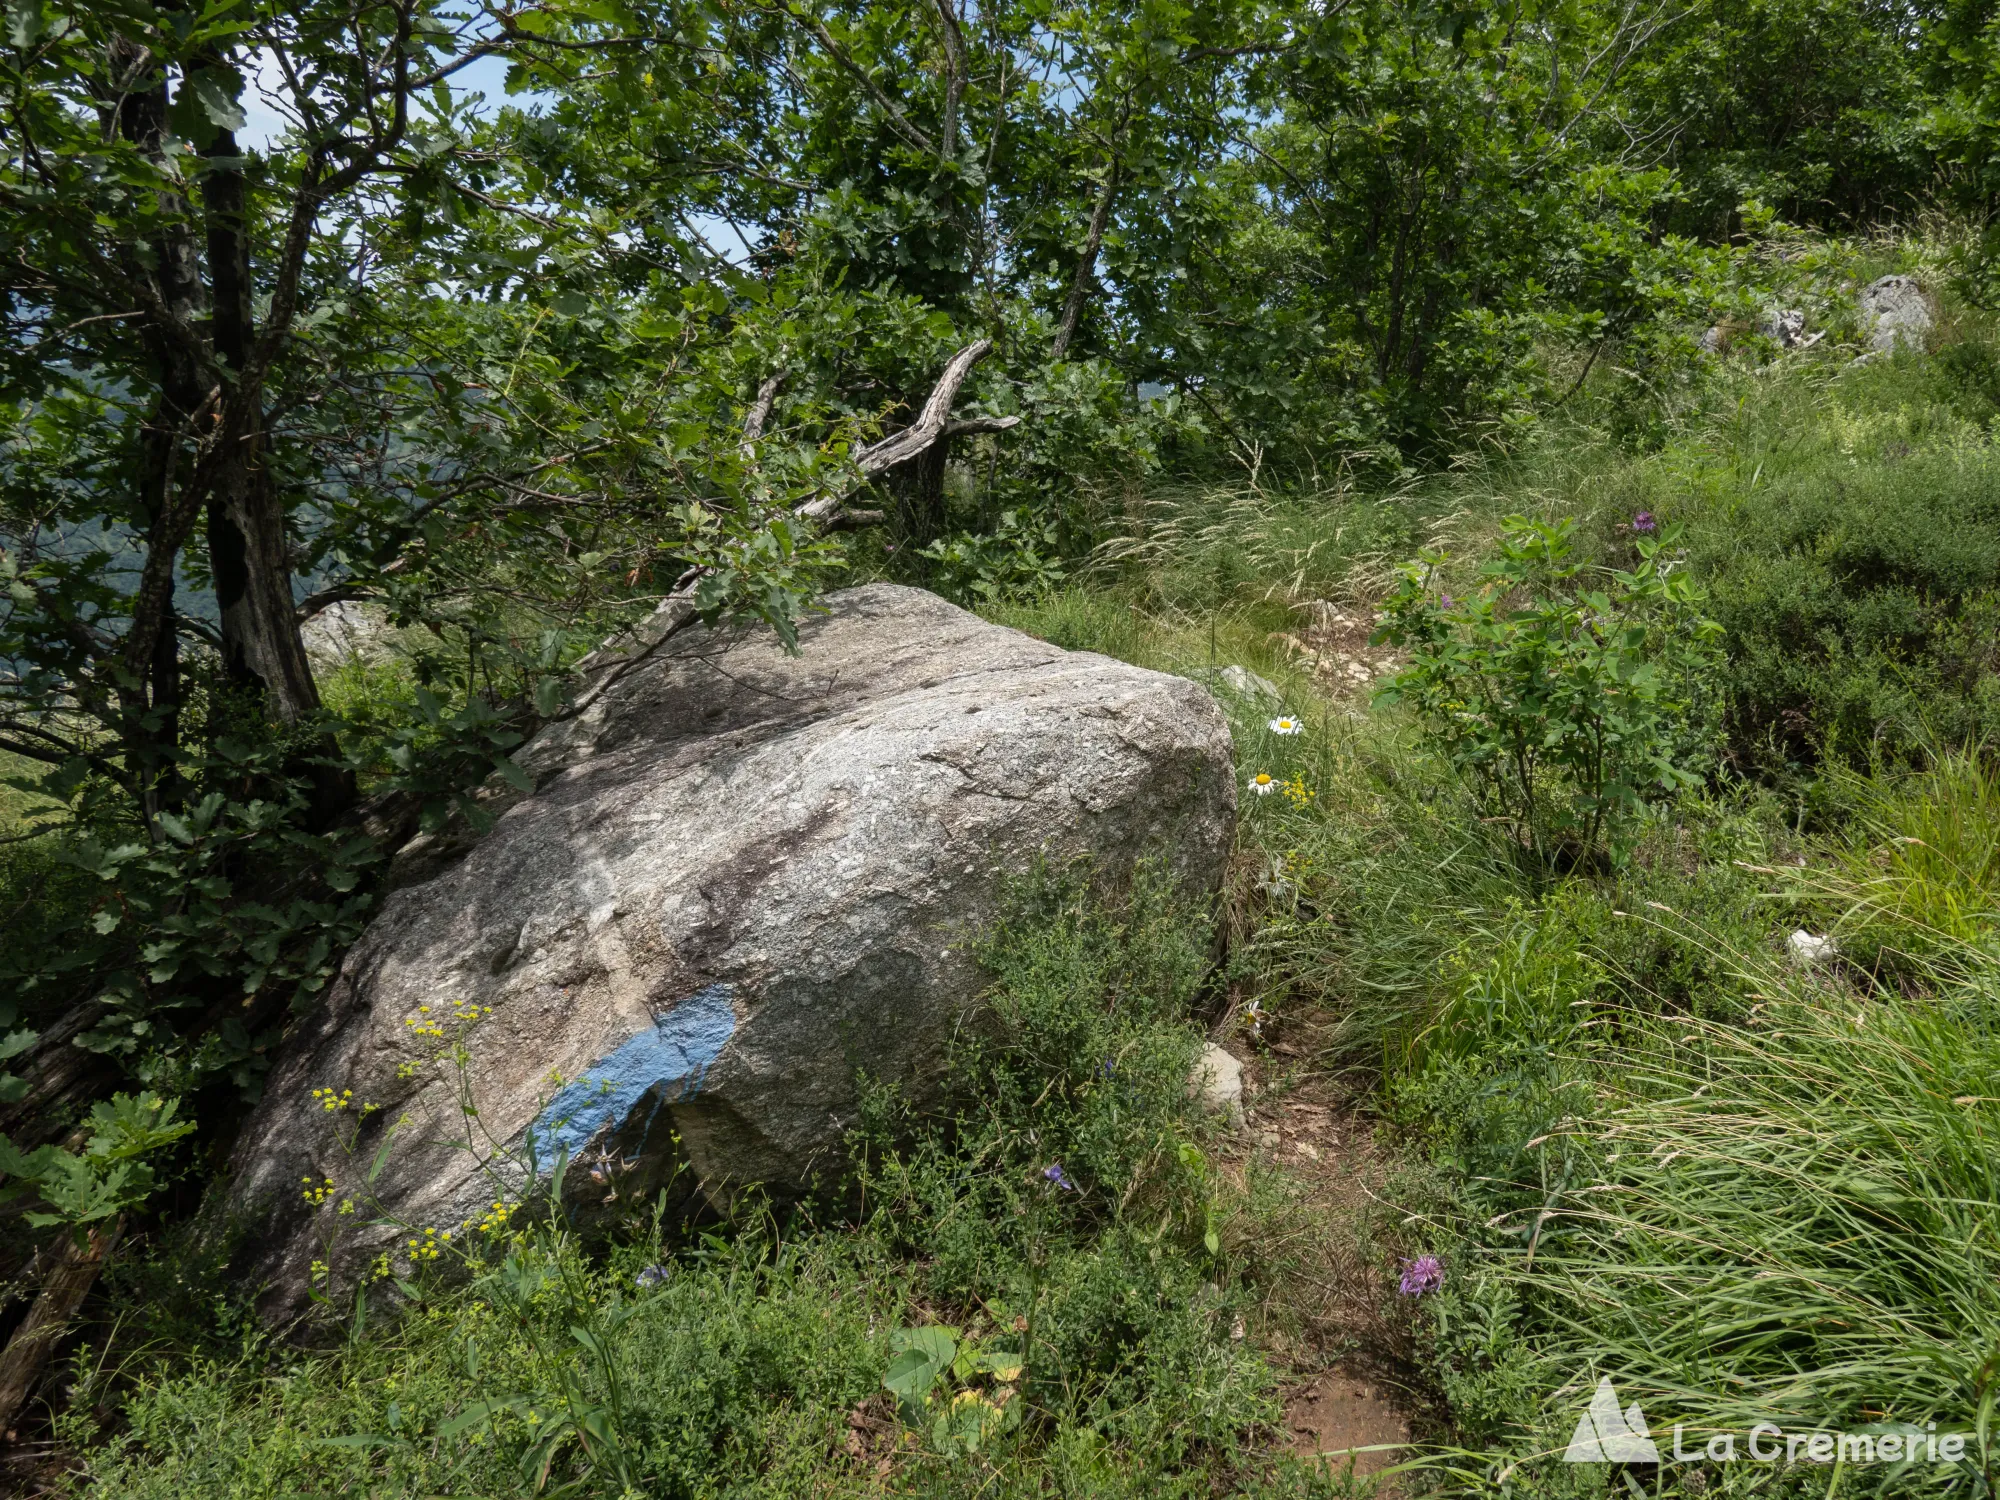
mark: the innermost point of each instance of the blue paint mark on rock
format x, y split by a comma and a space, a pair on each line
673, 1057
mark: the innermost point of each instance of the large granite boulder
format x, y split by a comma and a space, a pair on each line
1895, 311
743, 879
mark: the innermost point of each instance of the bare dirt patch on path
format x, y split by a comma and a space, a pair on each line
1348, 1402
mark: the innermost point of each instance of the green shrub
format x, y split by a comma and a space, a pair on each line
1566, 708
1019, 559
1966, 374
1860, 608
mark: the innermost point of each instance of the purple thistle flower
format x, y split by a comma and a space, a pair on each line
1054, 1173
1444, 601
1644, 522
1424, 1274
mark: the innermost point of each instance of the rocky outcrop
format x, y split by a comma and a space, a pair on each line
743, 879
1240, 682
348, 630
1895, 313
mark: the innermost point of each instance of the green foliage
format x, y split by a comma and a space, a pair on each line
548, 1374
1860, 603
1813, 106
230, 906
966, 1415
1017, 559
108, 1176
1566, 707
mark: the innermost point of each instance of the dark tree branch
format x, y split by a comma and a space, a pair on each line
1086, 263
324, 599
898, 121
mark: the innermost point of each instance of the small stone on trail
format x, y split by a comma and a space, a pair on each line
1217, 1077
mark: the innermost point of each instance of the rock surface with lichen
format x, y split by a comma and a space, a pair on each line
743, 880
1895, 313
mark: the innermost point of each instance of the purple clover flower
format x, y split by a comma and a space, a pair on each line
1424, 1274
1644, 523
1444, 601
1054, 1173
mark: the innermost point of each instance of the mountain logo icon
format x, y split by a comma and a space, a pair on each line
1606, 1435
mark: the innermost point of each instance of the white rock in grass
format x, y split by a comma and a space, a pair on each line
1785, 327
1809, 950
1895, 311
1247, 685
348, 630
1217, 1077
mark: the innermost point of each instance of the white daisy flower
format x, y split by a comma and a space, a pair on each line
1284, 724
1262, 784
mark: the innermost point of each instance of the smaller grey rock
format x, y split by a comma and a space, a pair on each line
1785, 327
1713, 338
1269, 1139
1217, 1078
1895, 312
1247, 685
1811, 951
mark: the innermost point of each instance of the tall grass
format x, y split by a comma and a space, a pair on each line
1924, 861
1783, 1210
1794, 1221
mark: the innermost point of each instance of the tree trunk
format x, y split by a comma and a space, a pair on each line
248, 554
1086, 263
151, 698
69, 1279
918, 485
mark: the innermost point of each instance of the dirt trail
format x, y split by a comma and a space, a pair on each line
1346, 1394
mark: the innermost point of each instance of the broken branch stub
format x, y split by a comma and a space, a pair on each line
675, 612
